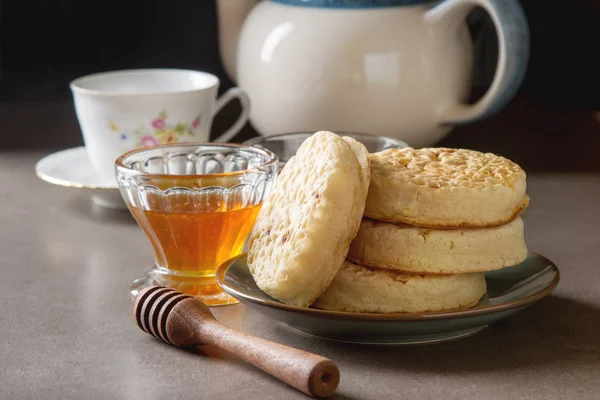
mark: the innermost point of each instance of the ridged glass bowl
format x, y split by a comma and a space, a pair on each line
285, 145
196, 204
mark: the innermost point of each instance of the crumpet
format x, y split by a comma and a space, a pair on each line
445, 188
304, 228
437, 251
361, 289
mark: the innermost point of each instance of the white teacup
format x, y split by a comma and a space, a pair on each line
123, 110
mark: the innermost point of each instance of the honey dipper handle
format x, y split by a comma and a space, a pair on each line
312, 374
191, 323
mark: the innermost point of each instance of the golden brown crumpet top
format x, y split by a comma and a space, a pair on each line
445, 188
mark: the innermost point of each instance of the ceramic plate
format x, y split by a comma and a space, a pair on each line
509, 291
72, 168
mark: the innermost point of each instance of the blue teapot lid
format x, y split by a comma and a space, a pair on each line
351, 3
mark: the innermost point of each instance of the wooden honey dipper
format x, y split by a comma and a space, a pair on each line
184, 321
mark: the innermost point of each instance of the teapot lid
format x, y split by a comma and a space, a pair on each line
351, 3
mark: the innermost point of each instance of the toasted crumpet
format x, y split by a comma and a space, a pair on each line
361, 289
445, 188
418, 250
304, 228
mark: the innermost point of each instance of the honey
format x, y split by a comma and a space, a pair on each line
191, 243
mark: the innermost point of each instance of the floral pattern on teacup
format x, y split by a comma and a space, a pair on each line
160, 131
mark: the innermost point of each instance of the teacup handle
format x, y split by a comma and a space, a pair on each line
513, 53
229, 95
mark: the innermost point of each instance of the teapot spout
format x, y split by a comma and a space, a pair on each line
231, 16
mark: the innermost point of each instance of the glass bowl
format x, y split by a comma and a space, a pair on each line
196, 203
285, 145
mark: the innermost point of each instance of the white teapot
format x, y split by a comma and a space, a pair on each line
397, 68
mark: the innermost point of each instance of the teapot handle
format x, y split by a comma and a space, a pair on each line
513, 48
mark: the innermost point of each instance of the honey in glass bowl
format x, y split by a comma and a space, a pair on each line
196, 204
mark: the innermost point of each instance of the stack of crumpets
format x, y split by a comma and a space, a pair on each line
435, 220
397, 231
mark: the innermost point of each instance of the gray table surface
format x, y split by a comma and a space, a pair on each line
66, 266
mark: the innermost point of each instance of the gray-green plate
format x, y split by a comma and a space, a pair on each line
509, 290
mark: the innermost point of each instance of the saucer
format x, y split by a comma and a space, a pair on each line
510, 290
72, 168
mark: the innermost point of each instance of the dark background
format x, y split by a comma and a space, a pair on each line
551, 125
